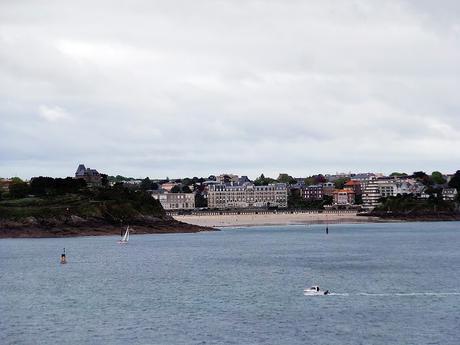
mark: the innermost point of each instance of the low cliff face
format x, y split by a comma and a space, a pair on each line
415, 215
68, 227
87, 213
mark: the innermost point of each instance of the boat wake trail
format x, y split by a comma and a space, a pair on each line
402, 294
411, 294
338, 294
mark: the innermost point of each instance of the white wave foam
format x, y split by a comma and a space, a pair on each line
402, 294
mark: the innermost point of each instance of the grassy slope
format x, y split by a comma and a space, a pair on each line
110, 205
87, 213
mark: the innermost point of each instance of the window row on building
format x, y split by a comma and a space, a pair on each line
176, 201
247, 195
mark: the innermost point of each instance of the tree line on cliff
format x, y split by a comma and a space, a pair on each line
56, 197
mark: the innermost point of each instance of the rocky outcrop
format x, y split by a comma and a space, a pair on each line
77, 226
414, 215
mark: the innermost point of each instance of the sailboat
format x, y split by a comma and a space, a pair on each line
125, 237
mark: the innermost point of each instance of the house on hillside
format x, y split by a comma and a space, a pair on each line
91, 176
168, 186
5, 184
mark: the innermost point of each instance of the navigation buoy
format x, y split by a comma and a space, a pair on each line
63, 258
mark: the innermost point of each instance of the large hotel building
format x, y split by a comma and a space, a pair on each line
176, 201
247, 195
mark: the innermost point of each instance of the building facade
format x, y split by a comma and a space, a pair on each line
343, 197
167, 186
383, 188
247, 195
5, 184
354, 185
176, 201
312, 192
449, 194
328, 188
91, 176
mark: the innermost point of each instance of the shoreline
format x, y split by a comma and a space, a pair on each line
60, 231
247, 220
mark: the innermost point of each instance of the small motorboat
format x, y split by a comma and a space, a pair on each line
315, 291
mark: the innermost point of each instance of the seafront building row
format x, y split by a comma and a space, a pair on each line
247, 195
230, 191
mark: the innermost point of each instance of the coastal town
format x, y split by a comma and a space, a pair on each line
360, 192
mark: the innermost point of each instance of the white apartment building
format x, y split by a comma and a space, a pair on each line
449, 194
247, 195
176, 201
376, 189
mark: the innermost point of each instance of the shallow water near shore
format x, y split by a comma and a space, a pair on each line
390, 283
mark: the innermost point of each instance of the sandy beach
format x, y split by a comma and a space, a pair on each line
231, 220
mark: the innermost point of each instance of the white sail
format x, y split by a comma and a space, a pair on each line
125, 237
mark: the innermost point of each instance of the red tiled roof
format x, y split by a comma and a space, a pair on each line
352, 183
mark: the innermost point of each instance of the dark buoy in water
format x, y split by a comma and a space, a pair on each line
63, 258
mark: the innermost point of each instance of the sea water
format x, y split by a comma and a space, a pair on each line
392, 283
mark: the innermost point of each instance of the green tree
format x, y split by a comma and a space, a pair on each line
340, 182
397, 174
16, 180
186, 181
423, 178
146, 184
200, 200
315, 179
455, 181
186, 189
437, 177
104, 180
419, 174
263, 181
285, 178
310, 180
175, 189
19, 189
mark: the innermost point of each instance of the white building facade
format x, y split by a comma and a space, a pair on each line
449, 194
247, 195
383, 188
176, 201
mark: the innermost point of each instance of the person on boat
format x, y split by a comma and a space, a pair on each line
317, 288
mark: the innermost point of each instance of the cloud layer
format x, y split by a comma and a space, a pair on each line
180, 88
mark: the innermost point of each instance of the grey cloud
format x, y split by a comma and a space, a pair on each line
192, 88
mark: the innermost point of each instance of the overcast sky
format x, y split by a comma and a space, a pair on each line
192, 88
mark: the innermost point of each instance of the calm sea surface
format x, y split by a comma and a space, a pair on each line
391, 283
